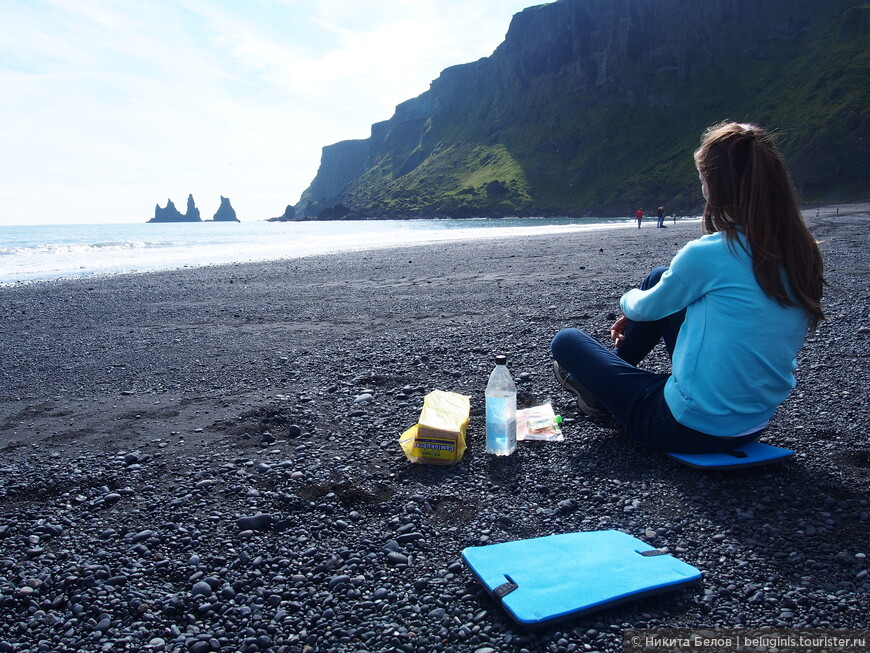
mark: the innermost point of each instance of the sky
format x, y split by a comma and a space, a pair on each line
110, 107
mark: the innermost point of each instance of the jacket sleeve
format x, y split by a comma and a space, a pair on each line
686, 280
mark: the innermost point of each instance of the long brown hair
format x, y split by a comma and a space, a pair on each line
749, 188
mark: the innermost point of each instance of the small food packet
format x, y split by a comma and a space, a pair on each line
539, 423
439, 436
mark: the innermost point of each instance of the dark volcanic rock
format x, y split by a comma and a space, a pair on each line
225, 213
288, 215
192, 214
171, 214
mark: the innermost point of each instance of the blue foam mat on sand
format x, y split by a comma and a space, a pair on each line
545, 579
749, 455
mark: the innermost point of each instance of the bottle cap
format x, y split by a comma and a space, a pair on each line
501, 359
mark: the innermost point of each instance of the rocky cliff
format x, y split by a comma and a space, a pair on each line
595, 106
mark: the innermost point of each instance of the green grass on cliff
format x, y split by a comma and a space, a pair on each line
457, 179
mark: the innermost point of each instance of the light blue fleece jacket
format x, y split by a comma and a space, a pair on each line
735, 356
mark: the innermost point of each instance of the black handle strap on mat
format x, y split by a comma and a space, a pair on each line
504, 589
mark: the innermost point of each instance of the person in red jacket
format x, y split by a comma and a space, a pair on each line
639, 216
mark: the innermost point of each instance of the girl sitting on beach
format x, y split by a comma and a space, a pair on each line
732, 308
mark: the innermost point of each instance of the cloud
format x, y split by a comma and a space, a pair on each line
112, 105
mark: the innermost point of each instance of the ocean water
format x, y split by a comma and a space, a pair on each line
44, 252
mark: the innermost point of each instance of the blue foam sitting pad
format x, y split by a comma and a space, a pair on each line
544, 579
749, 455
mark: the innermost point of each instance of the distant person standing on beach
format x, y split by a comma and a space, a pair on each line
639, 217
661, 224
733, 309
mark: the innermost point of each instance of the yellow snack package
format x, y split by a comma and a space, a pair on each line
439, 436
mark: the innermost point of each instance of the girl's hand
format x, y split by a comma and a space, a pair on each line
616, 331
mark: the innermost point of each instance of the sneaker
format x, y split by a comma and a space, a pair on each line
585, 401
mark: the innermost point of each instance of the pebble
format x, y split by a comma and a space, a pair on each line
267, 438
395, 558
201, 588
257, 522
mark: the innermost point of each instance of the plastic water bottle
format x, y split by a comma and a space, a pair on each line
501, 410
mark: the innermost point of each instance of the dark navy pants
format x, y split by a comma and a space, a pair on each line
635, 397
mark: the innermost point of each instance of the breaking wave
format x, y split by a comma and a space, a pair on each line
83, 248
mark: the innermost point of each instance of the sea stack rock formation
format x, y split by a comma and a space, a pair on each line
192, 214
225, 213
171, 214
168, 214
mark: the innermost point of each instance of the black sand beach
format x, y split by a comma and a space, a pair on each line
141, 416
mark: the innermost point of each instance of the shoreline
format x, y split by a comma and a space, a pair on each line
611, 222
250, 247
437, 240
141, 416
